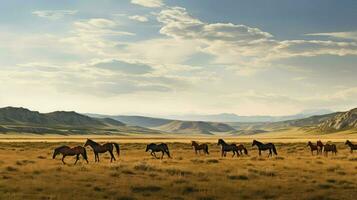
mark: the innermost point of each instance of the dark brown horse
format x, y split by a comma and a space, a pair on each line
330, 147
313, 148
68, 151
163, 148
98, 148
320, 146
264, 147
351, 145
227, 148
198, 147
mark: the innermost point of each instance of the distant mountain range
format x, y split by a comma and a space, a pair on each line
230, 117
22, 120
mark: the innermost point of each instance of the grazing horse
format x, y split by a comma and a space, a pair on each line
241, 149
264, 147
330, 147
68, 151
313, 148
320, 146
351, 145
98, 148
198, 147
163, 148
228, 147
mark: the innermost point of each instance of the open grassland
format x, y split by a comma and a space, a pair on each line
27, 171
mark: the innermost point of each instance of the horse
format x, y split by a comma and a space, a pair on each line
351, 145
330, 147
98, 148
242, 149
264, 147
313, 148
320, 146
163, 148
228, 147
198, 147
68, 151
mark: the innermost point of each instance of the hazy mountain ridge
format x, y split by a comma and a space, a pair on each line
13, 119
231, 117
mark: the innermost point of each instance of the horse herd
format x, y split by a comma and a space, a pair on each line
153, 148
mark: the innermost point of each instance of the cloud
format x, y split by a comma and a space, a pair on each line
243, 48
54, 14
139, 18
352, 35
125, 67
96, 35
179, 24
149, 3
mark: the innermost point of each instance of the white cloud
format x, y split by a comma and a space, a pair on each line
149, 3
54, 14
139, 18
342, 35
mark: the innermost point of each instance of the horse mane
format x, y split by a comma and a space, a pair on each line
91, 141
257, 142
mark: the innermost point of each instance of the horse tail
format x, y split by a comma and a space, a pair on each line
274, 150
245, 151
206, 149
85, 153
117, 148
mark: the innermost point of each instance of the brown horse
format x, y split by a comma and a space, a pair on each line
351, 145
313, 148
98, 148
241, 149
68, 151
320, 146
330, 147
198, 147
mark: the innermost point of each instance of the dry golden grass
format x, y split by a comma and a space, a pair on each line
27, 171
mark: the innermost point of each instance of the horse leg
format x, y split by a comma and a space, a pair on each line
162, 155
84, 157
260, 152
63, 159
98, 157
112, 156
233, 154
77, 158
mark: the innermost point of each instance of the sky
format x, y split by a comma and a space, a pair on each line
166, 57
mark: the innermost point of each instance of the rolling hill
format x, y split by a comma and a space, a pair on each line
171, 126
194, 127
22, 120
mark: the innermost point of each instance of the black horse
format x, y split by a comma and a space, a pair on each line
351, 145
163, 148
68, 151
264, 147
97, 148
227, 148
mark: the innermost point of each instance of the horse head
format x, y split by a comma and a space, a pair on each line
347, 142
220, 141
55, 153
254, 143
147, 147
309, 143
87, 142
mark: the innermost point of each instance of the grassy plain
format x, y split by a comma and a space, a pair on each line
27, 171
